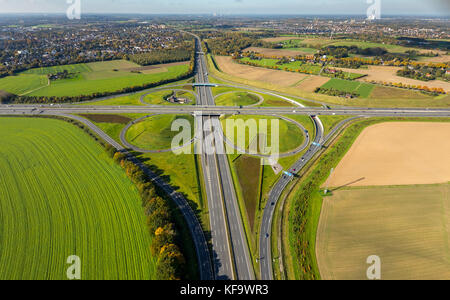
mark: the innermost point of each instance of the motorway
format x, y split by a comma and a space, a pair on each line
230, 249
220, 110
230, 258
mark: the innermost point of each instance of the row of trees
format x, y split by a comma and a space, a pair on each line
171, 263
423, 72
421, 88
163, 56
233, 43
336, 93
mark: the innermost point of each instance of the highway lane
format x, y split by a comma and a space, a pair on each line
235, 238
265, 245
220, 239
217, 110
198, 237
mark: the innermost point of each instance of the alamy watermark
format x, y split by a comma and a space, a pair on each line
374, 271
74, 10
374, 10
74, 271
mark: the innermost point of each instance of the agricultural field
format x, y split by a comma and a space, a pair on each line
363, 89
393, 154
238, 99
155, 133
276, 77
382, 92
389, 75
268, 52
90, 78
61, 195
297, 65
22, 83
304, 86
407, 227
392, 200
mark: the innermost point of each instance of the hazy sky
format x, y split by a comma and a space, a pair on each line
298, 7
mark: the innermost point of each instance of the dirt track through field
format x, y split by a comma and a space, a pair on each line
397, 153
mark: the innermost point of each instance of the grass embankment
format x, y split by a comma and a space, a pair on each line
304, 204
237, 99
60, 196
290, 136
155, 133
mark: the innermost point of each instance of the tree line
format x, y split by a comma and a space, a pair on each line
234, 43
166, 242
162, 56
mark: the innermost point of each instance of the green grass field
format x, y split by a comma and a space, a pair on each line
86, 79
60, 195
20, 84
237, 99
155, 133
290, 136
363, 89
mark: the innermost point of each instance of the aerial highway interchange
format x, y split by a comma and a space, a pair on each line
230, 257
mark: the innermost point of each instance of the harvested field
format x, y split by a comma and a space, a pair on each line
311, 83
117, 119
389, 74
407, 227
275, 52
277, 77
442, 58
382, 92
398, 153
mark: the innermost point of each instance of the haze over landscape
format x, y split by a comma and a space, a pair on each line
232, 7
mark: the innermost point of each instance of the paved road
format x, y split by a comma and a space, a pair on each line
222, 195
217, 110
198, 237
265, 245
